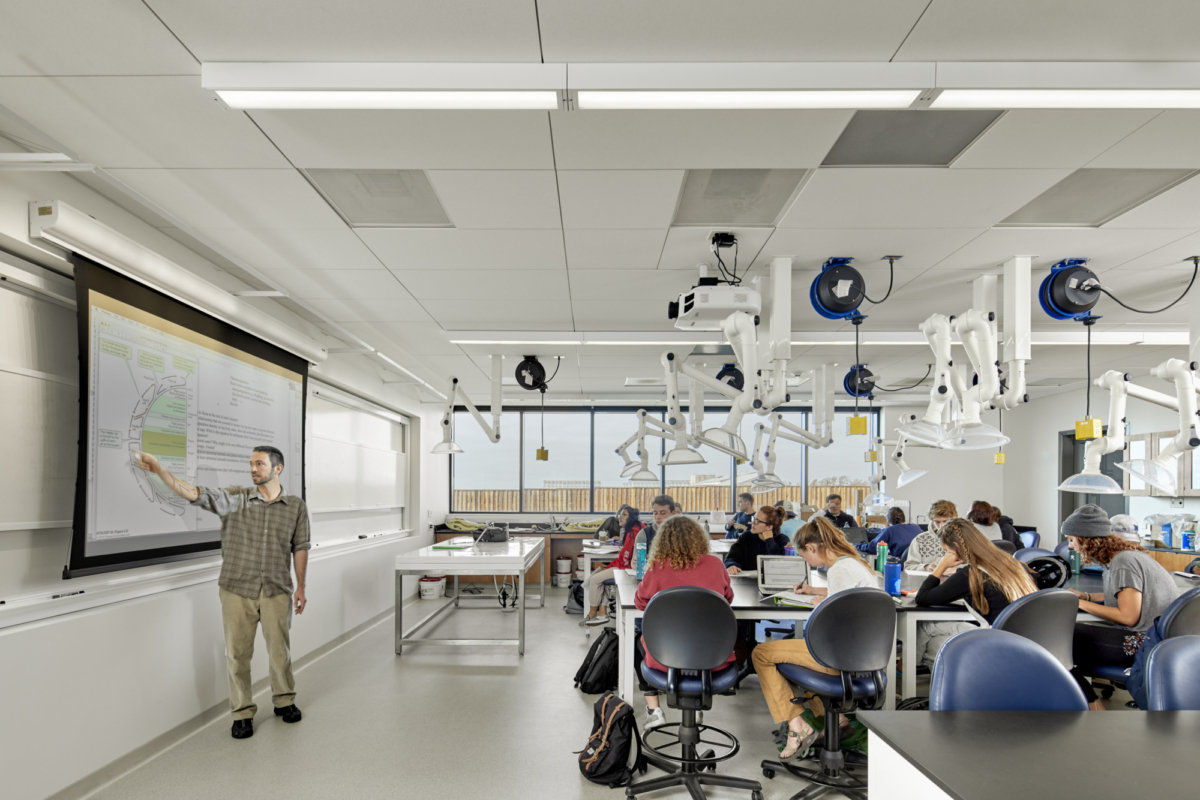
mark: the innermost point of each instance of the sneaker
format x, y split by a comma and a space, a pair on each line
600, 620
655, 718
583, 623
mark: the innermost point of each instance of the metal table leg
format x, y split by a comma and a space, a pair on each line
399, 611
542, 583
521, 614
909, 661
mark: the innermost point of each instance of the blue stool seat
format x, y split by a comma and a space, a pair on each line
722, 680
1110, 672
1170, 674
825, 684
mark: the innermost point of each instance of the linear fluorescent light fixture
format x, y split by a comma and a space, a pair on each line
753, 99
1067, 98
391, 100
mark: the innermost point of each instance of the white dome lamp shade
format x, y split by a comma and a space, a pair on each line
974, 436
923, 431
766, 482
682, 455
910, 475
644, 476
1158, 472
1090, 483
447, 445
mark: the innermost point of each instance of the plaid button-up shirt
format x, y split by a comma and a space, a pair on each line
257, 538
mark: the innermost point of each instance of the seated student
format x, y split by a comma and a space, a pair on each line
822, 545
663, 506
680, 558
764, 539
988, 581
925, 550
741, 520
987, 520
834, 513
1137, 589
1194, 567
630, 526
793, 522
898, 535
1008, 530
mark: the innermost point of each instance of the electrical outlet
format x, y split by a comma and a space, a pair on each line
1176, 502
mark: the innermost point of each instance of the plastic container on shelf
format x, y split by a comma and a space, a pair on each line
432, 586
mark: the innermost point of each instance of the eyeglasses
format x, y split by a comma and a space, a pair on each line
761, 521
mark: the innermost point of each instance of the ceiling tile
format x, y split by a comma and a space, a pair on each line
618, 198
1178, 207
608, 249
458, 249
694, 139
1107, 247
419, 337
640, 314
111, 38
917, 198
233, 198
344, 283
920, 248
474, 315
498, 198
687, 247
269, 249
140, 122
498, 285
411, 139
621, 284
713, 30
373, 30
1025, 138
1168, 140
1060, 30
365, 309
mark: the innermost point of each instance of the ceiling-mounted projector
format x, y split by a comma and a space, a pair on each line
706, 305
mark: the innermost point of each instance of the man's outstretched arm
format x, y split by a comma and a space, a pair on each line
178, 486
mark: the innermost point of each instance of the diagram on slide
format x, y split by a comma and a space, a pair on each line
159, 427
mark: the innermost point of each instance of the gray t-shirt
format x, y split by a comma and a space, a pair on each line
1133, 569
850, 573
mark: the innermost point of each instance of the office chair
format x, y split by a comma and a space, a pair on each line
853, 632
1030, 538
1063, 550
1030, 553
690, 630
1046, 617
1006, 546
1182, 618
1171, 675
991, 670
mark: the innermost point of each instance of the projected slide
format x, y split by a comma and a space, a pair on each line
198, 404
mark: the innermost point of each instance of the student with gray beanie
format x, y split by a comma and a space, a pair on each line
1136, 590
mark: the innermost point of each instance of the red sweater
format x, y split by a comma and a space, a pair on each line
708, 573
624, 559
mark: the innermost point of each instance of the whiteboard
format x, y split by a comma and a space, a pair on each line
355, 456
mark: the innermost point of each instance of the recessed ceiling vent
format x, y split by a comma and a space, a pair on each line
1088, 198
736, 197
381, 198
907, 138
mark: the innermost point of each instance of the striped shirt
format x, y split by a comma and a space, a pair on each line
257, 538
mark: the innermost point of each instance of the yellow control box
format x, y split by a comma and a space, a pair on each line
856, 426
543, 454
871, 455
1088, 429
999, 458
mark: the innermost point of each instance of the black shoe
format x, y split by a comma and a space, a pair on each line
289, 713
242, 729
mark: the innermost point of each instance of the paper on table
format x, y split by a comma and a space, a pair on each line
793, 599
921, 573
1188, 575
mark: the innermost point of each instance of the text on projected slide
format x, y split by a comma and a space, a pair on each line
198, 405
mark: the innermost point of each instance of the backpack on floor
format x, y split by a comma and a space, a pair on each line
605, 757
574, 598
598, 672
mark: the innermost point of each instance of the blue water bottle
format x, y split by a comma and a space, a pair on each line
1166, 533
640, 558
892, 572
790, 550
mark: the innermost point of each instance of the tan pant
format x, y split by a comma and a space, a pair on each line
596, 586
775, 687
241, 616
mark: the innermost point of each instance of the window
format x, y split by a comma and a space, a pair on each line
612, 428
583, 473
842, 468
564, 481
486, 476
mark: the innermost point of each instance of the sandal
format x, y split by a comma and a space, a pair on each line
804, 743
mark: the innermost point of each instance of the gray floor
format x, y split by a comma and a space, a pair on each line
472, 721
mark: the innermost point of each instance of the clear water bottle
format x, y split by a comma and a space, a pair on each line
640, 559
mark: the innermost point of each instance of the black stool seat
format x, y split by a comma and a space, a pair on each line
692, 684
823, 683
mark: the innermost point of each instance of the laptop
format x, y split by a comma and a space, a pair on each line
780, 573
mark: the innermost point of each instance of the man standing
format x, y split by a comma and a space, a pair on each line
741, 520
833, 510
260, 527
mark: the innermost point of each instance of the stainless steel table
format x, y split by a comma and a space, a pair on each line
514, 557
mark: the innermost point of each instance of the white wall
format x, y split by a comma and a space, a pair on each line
158, 658
962, 477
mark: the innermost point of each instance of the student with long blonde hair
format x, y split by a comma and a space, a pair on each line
989, 578
822, 545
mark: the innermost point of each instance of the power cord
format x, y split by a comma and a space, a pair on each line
1195, 269
924, 377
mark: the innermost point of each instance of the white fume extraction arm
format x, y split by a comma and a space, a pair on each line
492, 431
907, 473
976, 331
928, 429
878, 474
1091, 480
819, 433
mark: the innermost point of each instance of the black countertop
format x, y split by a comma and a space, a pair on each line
1002, 755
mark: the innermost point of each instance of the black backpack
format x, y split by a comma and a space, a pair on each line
598, 672
605, 757
574, 604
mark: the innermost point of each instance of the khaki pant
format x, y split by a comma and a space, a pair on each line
775, 687
241, 616
596, 587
